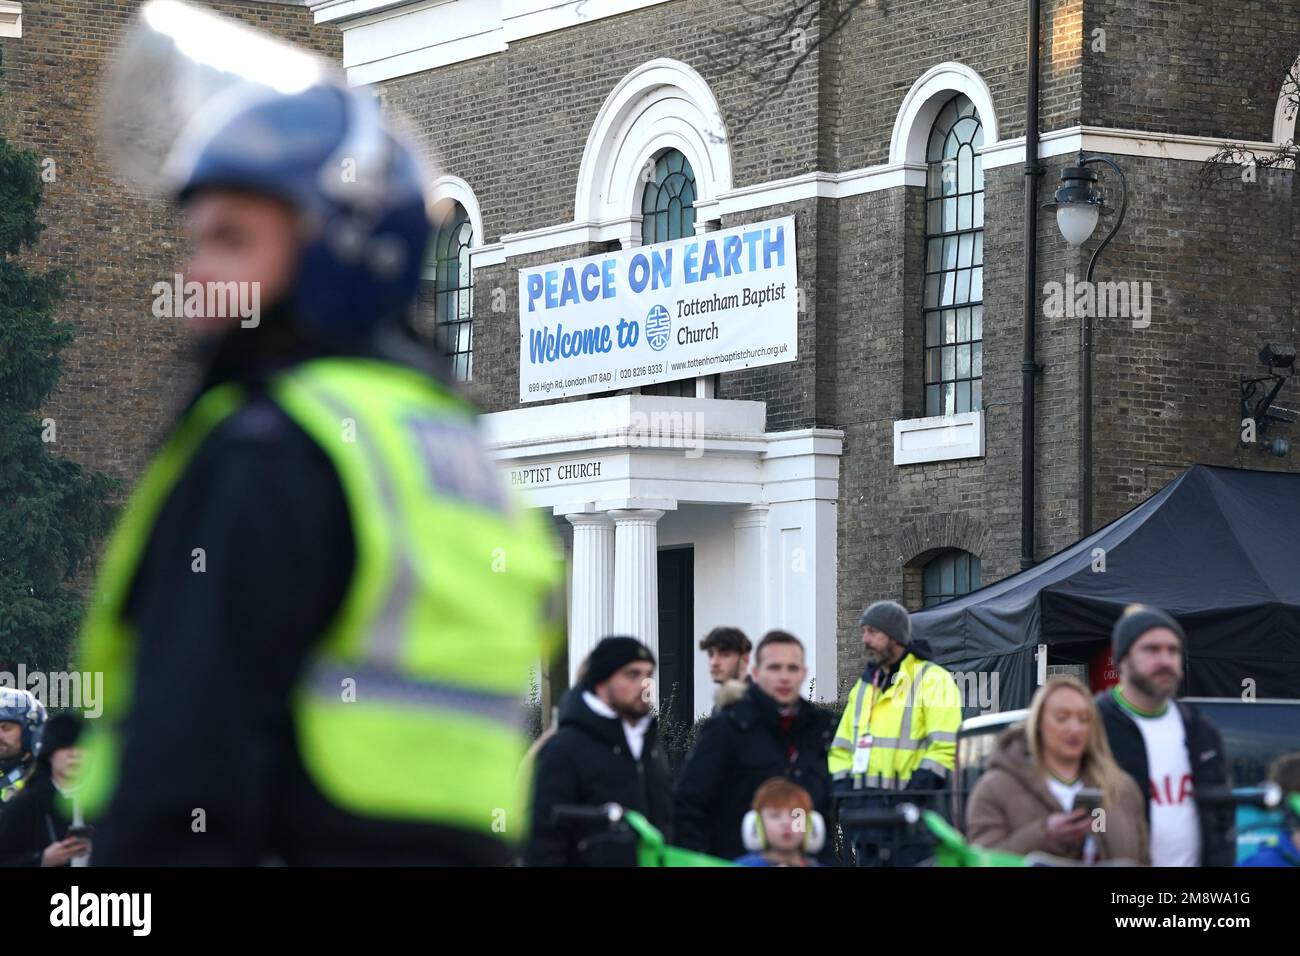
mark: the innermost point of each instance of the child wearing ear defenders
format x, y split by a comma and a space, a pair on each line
782, 828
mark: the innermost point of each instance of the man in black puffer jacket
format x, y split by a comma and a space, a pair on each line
606, 750
770, 731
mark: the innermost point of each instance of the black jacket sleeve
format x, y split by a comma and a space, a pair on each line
23, 836
248, 560
1210, 769
700, 785
555, 783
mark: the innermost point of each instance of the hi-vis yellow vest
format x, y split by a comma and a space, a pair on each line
411, 705
912, 724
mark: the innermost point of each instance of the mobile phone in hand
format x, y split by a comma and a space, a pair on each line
1088, 799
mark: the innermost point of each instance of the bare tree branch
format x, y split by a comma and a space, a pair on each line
1237, 162
776, 46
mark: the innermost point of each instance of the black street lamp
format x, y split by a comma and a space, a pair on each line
1079, 204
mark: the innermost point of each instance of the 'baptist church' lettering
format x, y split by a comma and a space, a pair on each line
540, 476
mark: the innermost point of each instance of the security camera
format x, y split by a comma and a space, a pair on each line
1277, 355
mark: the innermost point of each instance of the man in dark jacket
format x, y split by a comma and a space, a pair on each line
771, 731
1165, 744
34, 825
605, 751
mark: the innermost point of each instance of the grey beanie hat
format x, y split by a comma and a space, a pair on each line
890, 617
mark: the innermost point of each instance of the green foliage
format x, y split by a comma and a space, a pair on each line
52, 512
676, 736
533, 705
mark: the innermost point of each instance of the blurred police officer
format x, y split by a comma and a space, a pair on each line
317, 614
21, 718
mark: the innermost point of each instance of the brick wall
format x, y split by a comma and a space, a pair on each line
127, 371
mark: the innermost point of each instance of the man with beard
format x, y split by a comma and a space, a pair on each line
605, 751
898, 731
1165, 744
21, 719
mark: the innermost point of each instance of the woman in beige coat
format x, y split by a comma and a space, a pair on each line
1024, 802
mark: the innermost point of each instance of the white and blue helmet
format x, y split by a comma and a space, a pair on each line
198, 100
21, 707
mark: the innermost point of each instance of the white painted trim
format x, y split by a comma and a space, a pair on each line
1284, 111
11, 19
856, 182
939, 438
489, 255
923, 101
455, 188
529, 18
437, 33
1116, 142
659, 105
330, 11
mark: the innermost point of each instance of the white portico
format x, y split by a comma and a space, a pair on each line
631, 476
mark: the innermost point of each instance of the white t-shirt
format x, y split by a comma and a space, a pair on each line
1175, 823
1064, 792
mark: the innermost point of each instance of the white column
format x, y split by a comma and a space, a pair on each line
591, 611
636, 575
750, 570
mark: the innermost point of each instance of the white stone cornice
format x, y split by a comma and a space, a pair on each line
1179, 147
385, 39
11, 19
820, 184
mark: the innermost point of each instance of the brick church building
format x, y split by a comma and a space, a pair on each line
881, 455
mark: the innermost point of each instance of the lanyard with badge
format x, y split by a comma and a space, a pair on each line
862, 752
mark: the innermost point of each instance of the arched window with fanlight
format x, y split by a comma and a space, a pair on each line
948, 575
953, 299
668, 201
668, 212
448, 259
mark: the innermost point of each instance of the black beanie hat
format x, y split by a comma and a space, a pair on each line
61, 730
611, 655
1136, 620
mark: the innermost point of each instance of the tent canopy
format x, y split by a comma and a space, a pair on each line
1218, 548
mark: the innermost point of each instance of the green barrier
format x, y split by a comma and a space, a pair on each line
952, 849
653, 851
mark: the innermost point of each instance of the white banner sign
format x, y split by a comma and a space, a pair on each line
711, 303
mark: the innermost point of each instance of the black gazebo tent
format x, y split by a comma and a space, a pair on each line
1219, 548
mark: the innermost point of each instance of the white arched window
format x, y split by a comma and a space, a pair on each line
655, 161
953, 298
458, 228
944, 123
